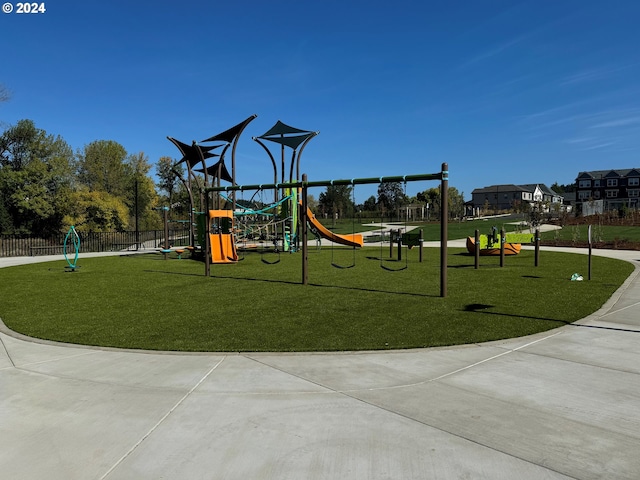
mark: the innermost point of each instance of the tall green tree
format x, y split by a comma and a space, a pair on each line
432, 197
36, 169
456, 203
141, 197
370, 204
101, 167
391, 196
337, 200
167, 174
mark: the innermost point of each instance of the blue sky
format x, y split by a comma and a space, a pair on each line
504, 91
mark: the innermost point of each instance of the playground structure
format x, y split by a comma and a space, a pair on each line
287, 219
304, 185
495, 243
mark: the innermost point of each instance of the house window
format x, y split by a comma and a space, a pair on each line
633, 181
596, 183
633, 192
584, 184
584, 195
612, 182
596, 194
612, 193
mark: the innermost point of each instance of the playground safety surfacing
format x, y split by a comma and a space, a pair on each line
561, 404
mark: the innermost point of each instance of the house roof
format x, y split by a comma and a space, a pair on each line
499, 188
543, 188
529, 187
613, 173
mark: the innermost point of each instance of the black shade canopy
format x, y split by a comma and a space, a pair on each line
281, 129
193, 154
213, 171
293, 141
230, 134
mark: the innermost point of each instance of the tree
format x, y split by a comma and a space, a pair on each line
36, 168
95, 211
370, 204
559, 188
455, 203
141, 195
431, 198
336, 200
101, 167
312, 203
168, 175
391, 196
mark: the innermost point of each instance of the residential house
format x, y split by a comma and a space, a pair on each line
604, 190
510, 197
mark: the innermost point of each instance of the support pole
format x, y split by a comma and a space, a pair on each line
305, 233
137, 213
477, 249
392, 232
589, 272
166, 232
503, 238
421, 244
399, 238
444, 216
537, 244
207, 240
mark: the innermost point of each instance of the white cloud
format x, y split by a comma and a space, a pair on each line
622, 122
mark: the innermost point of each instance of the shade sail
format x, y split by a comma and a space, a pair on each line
193, 154
293, 141
282, 129
230, 134
213, 171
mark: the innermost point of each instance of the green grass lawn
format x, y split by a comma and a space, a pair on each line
146, 302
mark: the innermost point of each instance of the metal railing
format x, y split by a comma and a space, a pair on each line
30, 245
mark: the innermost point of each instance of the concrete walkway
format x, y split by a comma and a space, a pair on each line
564, 404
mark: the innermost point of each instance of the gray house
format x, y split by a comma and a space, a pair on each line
508, 197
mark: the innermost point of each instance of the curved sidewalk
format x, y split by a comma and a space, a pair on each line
563, 404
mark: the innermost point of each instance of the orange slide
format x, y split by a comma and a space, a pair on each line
354, 240
223, 248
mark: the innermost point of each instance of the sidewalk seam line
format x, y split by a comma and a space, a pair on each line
159, 422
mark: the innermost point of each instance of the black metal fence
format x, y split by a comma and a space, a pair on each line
28, 245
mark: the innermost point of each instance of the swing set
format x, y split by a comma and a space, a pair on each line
307, 218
